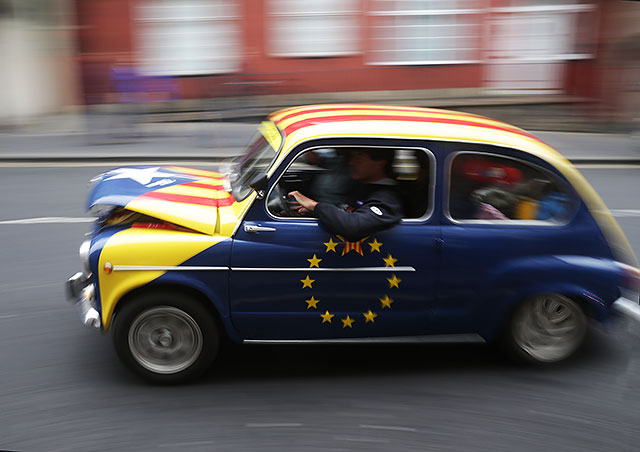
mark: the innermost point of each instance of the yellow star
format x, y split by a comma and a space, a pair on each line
307, 282
347, 322
389, 261
331, 245
326, 317
386, 302
312, 303
375, 245
313, 262
369, 316
394, 282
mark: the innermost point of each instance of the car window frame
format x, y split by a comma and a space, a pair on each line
428, 215
446, 192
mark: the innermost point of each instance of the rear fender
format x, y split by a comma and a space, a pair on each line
593, 282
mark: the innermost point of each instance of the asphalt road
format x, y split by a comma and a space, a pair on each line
62, 387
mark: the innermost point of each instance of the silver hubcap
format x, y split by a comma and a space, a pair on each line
165, 340
549, 327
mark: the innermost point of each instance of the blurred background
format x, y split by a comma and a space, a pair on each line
559, 64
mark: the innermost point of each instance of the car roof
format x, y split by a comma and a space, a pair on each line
300, 124
305, 123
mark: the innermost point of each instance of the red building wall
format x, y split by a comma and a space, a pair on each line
107, 37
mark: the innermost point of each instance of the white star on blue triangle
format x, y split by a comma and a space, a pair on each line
142, 175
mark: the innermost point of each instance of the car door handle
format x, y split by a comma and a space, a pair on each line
252, 228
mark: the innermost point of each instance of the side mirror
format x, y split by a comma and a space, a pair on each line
259, 184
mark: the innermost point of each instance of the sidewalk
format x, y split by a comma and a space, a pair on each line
217, 141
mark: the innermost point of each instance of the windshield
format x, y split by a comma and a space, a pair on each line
256, 161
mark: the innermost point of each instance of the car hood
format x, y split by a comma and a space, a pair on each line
188, 197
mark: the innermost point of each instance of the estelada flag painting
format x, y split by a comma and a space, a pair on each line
187, 197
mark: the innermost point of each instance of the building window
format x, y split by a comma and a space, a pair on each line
313, 28
426, 31
544, 31
188, 37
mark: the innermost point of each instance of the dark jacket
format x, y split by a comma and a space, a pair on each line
375, 207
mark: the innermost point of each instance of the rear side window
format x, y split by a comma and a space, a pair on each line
490, 187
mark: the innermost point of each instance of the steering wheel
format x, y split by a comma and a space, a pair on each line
278, 202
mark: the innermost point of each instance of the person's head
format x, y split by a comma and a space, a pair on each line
370, 165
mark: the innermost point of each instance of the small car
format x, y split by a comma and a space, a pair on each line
501, 239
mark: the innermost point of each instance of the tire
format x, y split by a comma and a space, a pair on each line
546, 329
166, 337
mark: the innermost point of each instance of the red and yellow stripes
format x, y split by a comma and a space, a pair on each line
206, 191
193, 204
294, 119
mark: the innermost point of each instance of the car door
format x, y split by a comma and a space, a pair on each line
292, 279
503, 214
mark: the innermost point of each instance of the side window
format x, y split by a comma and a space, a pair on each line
413, 169
490, 187
326, 175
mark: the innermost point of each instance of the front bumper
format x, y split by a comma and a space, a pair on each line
81, 291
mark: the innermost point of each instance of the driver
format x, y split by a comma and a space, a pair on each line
375, 205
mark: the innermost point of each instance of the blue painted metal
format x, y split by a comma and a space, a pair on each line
212, 284
272, 304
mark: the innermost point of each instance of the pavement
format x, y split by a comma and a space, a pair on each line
128, 138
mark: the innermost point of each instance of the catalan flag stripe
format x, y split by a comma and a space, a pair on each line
188, 199
428, 119
194, 191
288, 114
204, 184
196, 172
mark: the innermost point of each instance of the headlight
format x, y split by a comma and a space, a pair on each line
85, 247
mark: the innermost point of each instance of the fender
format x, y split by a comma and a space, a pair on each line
211, 290
134, 257
594, 281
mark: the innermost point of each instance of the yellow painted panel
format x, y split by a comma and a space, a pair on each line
197, 217
143, 247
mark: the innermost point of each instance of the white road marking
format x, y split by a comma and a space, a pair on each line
12, 287
273, 425
388, 427
114, 164
10, 316
625, 212
606, 165
49, 220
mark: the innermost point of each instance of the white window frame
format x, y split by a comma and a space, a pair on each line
568, 8
278, 18
425, 12
227, 27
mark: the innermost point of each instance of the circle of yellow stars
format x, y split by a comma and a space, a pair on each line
385, 302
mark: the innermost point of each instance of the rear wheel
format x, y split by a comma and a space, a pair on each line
546, 329
166, 337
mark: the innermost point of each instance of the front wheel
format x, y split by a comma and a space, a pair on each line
546, 329
166, 337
